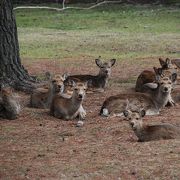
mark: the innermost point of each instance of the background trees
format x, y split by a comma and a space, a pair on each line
11, 70
93, 1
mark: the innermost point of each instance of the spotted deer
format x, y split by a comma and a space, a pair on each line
152, 102
9, 104
150, 132
65, 107
42, 97
167, 69
98, 82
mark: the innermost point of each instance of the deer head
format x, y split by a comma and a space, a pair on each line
105, 67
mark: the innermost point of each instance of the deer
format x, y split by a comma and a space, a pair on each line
9, 104
168, 67
150, 132
70, 107
42, 97
95, 82
176, 96
152, 102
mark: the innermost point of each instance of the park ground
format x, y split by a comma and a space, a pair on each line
38, 146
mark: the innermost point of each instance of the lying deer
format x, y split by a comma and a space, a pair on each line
150, 132
98, 82
166, 70
42, 97
176, 95
152, 102
9, 105
64, 107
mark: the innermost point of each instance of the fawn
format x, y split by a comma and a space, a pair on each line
9, 105
98, 82
167, 69
65, 107
42, 97
152, 102
150, 132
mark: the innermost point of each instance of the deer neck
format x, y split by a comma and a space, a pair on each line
75, 102
102, 75
102, 79
51, 93
160, 99
140, 131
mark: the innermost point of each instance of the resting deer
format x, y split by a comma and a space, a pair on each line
167, 69
98, 82
42, 97
152, 102
9, 105
150, 132
64, 107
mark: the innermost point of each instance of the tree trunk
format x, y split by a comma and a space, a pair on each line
11, 70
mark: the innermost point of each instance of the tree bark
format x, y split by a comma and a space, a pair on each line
11, 70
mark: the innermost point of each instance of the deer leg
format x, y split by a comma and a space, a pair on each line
117, 115
82, 112
152, 112
171, 102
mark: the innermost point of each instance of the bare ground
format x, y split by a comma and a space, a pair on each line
38, 146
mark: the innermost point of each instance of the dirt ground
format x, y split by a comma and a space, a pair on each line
38, 146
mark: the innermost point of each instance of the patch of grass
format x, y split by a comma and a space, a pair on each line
120, 31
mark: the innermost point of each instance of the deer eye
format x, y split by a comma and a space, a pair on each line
76, 89
137, 118
130, 118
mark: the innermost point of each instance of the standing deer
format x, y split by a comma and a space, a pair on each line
9, 105
152, 102
167, 69
98, 82
150, 132
65, 107
42, 97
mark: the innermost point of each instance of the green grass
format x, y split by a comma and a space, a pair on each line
120, 31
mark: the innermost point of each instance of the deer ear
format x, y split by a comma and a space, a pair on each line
98, 62
158, 71
168, 61
151, 86
89, 83
48, 75
126, 113
162, 62
155, 69
174, 77
142, 113
65, 76
73, 84
158, 77
112, 62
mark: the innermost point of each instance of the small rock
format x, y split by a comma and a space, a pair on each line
40, 155
133, 173
80, 124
